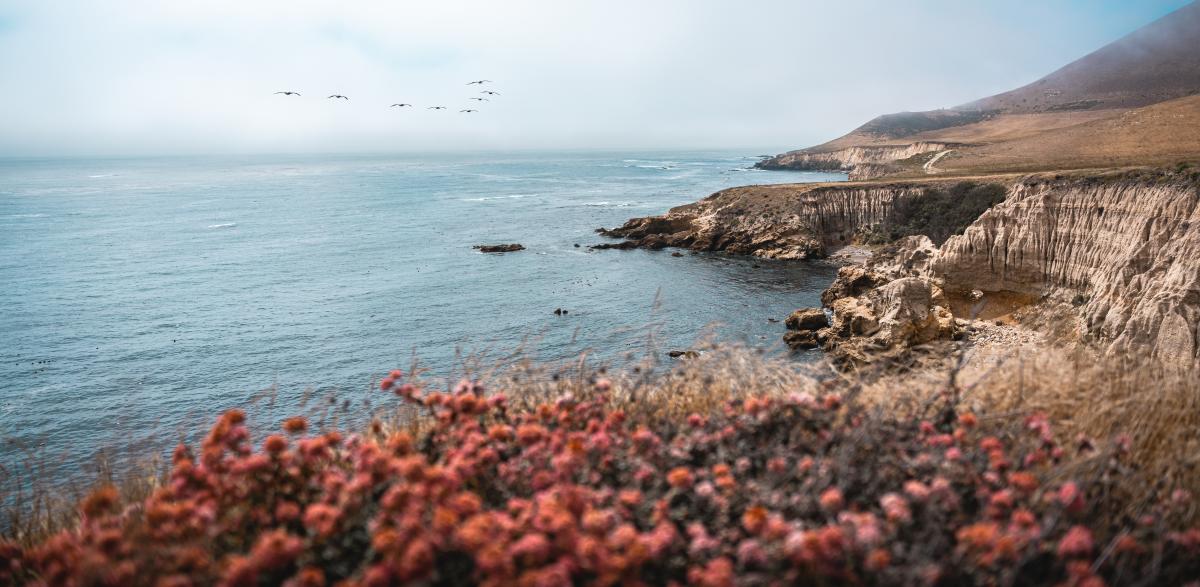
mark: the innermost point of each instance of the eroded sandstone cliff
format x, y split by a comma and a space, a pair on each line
862, 162
1124, 250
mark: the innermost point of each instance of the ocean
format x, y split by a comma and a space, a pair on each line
144, 296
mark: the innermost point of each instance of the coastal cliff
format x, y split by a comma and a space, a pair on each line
861, 162
774, 222
1124, 250
1121, 249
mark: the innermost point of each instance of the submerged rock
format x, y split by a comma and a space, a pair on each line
807, 328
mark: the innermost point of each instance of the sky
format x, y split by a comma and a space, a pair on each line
142, 77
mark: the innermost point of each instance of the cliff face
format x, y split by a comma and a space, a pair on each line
1125, 251
777, 222
863, 162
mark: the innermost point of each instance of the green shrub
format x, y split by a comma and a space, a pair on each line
937, 213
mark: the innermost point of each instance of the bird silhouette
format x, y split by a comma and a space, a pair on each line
338, 96
468, 110
289, 93
399, 105
479, 82
490, 93
436, 108
479, 99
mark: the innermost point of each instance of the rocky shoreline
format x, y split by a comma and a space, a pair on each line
879, 309
795, 221
1115, 251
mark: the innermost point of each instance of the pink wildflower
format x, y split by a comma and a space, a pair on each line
1076, 543
831, 500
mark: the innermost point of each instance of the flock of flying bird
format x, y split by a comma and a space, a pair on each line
401, 105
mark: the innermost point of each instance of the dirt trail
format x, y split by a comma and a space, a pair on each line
929, 168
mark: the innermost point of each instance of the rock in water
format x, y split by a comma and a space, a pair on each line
807, 319
689, 354
804, 339
509, 248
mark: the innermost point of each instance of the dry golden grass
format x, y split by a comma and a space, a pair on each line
647, 390
1154, 408
1011, 127
1161, 134
35, 504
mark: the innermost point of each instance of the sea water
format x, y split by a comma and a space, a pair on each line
142, 295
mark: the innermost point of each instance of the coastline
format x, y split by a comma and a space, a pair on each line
1056, 247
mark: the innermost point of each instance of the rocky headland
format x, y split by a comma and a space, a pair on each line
800, 221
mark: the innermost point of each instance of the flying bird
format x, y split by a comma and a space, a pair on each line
490, 93
468, 110
338, 96
479, 82
399, 105
436, 108
479, 99
289, 93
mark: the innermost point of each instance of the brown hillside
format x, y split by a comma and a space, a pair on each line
1161, 134
1158, 62
1060, 120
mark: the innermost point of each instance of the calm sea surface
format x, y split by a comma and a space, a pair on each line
149, 294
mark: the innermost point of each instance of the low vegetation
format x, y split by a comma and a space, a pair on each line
937, 213
729, 470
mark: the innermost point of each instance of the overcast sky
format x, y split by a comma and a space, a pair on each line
154, 76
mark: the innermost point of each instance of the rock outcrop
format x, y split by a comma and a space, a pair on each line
806, 328
807, 319
886, 306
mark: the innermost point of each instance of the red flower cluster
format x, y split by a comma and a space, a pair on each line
782, 491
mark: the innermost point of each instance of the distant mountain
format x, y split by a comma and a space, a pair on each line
1159, 62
